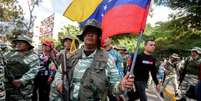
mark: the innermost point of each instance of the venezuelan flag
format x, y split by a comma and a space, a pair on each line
80, 10
121, 16
126, 16
116, 16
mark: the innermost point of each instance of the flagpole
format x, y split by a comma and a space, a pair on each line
135, 54
130, 72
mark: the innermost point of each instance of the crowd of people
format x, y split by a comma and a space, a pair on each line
92, 72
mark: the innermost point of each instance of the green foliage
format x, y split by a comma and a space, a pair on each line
173, 36
183, 31
188, 11
67, 30
127, 40
10, 10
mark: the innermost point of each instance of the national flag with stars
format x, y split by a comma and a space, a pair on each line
121, 16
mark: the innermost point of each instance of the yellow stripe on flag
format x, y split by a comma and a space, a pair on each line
80, 10
73, 46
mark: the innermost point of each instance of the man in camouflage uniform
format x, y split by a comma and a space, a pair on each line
89, 72
2, 74
170, 75
117, 60
190, 72
67, 43
21, 69
171, 72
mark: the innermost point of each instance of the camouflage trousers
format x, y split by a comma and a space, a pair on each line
171, 80
2, 87
188, 80
54, 94
2, 91
21, 94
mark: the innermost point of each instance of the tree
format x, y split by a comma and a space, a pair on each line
182, 32
188, 10
12, 12
31, 5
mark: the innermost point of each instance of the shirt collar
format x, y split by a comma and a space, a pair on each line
90, 56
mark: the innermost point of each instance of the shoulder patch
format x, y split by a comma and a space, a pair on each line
30, 58
102, 55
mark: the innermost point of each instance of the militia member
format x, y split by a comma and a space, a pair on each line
171, 72
190, 72
21, 69
67, 43
89, 73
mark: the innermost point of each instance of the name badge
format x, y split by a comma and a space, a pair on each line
147, 62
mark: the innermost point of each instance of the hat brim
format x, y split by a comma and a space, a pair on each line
68, 37
14, 41
89, 28
196, 50
175, 57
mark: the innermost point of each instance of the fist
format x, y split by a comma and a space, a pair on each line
59, 87
127, 83
16, 83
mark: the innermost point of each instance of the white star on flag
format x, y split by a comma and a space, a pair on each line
105, 7
109, 0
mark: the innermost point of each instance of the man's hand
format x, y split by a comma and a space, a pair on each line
59, 87
16, 83
158, 87
127, 83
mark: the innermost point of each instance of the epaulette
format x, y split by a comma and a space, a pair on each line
199, 60
102, 56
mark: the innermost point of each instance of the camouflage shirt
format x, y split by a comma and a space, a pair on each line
118, 61
192, 65
170, 68
80, 68
191, 68
25, 74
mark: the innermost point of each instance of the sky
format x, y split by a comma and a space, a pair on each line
160, 13
46, 8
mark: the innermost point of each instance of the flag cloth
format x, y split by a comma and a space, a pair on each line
80, 10
121, 16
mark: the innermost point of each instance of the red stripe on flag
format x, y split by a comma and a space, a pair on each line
127, 18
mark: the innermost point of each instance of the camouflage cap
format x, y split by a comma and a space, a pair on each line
69, 37
24, 38
92, 25
197, 49
174, 55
